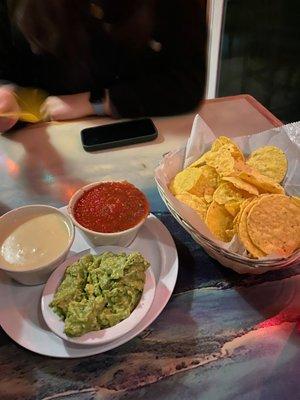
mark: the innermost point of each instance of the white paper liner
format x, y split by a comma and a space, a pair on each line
286, 137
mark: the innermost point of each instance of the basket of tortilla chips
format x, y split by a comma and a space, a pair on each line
237, 201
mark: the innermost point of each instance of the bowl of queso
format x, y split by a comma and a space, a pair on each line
34, 240
109, 213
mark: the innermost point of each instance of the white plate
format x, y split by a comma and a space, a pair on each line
57, 325
20, 312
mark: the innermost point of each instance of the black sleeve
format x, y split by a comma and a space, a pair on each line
178, 85
7, 64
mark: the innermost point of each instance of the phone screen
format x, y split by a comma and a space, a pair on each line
118, 134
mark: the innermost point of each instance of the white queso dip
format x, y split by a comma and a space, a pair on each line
35, 242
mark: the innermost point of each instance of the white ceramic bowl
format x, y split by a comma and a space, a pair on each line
13, 219
122, 238
105, 335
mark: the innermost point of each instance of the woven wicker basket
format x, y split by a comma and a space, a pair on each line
227, 258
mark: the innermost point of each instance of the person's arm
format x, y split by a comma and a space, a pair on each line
178, 85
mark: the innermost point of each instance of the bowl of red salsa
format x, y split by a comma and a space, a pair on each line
109, 213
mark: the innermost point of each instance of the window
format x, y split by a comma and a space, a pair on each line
260, 54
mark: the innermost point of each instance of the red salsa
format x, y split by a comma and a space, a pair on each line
111, 207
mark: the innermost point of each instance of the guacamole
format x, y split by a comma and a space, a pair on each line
98, 292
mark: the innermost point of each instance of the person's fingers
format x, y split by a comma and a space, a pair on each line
54, 109
57, 114
60, 108
7, 123
5, 103
8, 105
51, 109
49, 113
45, 112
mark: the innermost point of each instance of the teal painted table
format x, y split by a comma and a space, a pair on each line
222, 335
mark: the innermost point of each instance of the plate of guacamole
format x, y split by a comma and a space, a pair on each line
96, 298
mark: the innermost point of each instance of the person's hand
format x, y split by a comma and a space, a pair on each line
8, 105
73, 106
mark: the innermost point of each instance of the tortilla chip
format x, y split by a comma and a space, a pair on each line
234, 149
296, 200
227, 192
263, 183
196, 203
208, 198
201, 161
209, 180
185, 181
274, 225
230, 233
219, 221
222, 161
242, 230
237, 218
240, 184
233, 207
269, 161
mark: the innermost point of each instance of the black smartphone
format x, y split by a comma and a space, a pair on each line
118, 134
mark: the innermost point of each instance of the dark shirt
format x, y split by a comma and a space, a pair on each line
165, 77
